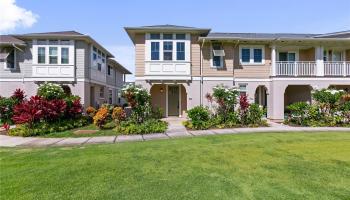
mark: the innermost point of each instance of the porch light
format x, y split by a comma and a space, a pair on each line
161, 90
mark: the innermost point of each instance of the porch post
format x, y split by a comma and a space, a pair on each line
319, 61
273, 59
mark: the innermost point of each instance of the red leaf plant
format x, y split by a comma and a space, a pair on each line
29, 111
75, 109
243, 102
19, 95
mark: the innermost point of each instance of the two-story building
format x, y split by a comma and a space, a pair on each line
180, 65
69, 58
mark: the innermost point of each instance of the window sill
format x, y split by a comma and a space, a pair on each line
251, 64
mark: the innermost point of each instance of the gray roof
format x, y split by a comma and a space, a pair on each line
59, 33
166, 27
260, 35
8, 39
340, 34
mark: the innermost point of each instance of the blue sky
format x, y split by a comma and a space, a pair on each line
104, 19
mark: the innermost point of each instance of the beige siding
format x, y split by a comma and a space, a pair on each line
227, 69
307, 54
140, 54
253, 71
195, 56
159, 98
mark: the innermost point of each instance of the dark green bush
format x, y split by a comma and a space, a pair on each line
6, 109
255, 114
199, 117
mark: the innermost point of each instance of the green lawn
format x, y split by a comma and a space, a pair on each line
246, 166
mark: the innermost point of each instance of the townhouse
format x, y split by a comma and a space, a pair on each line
179, 65
69, 58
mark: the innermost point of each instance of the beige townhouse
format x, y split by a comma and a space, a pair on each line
179, 65
69, 58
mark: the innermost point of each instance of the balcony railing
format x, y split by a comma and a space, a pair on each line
340, 68
304, 68
297, 68
162, 70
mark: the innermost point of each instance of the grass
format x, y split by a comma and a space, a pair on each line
246, 166
70, 133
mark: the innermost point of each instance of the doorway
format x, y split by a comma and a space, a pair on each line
173, 100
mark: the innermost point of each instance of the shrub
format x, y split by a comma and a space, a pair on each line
140, 102
18, 95
149, 126
157, 113
101, 117
243, 109
51, 91
74, 107
91, 111
298, 112
118, 114
199, 117
6, 109
255, 114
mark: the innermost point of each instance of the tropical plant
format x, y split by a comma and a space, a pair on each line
100, 118
51, 91
199, 117
118, 115
91, 111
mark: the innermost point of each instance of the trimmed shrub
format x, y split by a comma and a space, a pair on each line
51, 91
199, 117
100, 118
148, 126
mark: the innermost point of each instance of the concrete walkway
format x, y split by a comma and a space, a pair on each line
175, 130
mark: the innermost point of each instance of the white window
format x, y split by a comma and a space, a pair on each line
41, 55
64, 55
168, 50
102, 92
10, 59
252, 55
287, 56
154, 50
53, 55
333, 55
217, 55
110, 96
242, 88
109, 70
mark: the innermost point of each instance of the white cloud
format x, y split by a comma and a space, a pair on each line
125, 55
13, 16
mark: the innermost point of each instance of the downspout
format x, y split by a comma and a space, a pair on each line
201, 74
233, 63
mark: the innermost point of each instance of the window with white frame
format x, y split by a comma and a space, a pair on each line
154, 50
109, 70
250, 54
168, 50
64, 55
242, 88
53, 55
287, 56
54, 52
333, 55
217, 55
98, 59
110, 96
41, 55
102, 92
9, 57
167, 46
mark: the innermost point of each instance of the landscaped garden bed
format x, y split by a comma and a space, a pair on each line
223, 111
55, 112
329, 107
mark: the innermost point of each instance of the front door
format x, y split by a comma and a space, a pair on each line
173, 100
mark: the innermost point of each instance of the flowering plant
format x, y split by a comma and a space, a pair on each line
101, 117
51, 91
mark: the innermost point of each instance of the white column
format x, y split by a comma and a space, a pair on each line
273, 60
319, 61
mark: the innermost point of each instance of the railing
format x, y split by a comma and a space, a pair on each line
297, 68
339, 68
66, 71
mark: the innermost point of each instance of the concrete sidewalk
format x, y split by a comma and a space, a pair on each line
175, 130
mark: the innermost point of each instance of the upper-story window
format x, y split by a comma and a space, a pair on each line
250, 54
109, 70
168, 50
99, 67
218, 55
55, 52
41, 55
167, 47
154, 50
98, 59
180, 51
9, 59
53, 55
64, 55
155, 36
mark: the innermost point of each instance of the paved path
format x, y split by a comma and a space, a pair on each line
175, 130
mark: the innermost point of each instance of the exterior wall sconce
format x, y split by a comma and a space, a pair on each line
161, 90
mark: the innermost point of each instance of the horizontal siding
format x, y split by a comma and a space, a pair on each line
195, 56
227, 69
140, 54
253, 71
307, 54
81, 49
